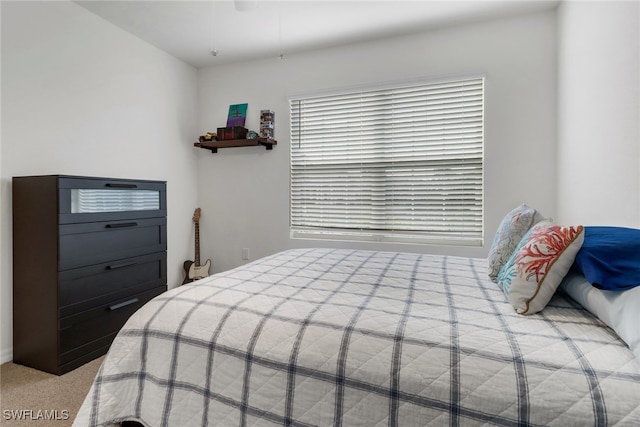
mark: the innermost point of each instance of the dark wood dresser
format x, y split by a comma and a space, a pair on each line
87, 253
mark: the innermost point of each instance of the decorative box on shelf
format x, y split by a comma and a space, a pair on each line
232, 132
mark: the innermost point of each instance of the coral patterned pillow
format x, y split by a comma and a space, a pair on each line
510, 231
538, 265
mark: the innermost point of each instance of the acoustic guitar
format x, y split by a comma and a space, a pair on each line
192, 269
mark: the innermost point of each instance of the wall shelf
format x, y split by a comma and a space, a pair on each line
214, 145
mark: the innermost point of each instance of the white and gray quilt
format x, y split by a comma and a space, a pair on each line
325, 337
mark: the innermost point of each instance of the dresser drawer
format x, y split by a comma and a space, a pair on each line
92, 329
83, 199
97, 242
85, 288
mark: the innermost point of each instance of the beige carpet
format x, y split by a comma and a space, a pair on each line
43, 399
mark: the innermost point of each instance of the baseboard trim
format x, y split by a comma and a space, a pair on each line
6, 355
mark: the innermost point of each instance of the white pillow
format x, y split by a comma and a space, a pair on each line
513, 226
620, 310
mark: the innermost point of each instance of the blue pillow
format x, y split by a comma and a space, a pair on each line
610, 257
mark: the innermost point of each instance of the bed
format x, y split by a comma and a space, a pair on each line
320, 337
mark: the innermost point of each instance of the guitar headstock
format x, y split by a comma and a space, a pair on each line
196, 215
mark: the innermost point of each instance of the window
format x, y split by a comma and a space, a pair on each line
401, 164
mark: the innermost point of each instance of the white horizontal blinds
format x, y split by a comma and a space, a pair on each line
391, 162
93, 201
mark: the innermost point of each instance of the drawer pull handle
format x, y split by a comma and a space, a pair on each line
120, 185
123, 265
123, 304
122, 224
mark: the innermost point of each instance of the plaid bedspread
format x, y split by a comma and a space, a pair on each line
355, 338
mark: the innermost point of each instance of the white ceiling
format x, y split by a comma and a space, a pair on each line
249, 29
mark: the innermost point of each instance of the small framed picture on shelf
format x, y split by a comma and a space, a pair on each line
266, 132
267, 116
237, 115
267, 120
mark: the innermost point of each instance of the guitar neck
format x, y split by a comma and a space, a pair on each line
197, 256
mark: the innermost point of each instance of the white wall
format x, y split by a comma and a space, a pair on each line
244, 192
82, 97
599, 113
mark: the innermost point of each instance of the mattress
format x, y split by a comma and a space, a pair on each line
334, 337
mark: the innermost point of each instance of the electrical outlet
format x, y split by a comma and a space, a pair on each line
245, 253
